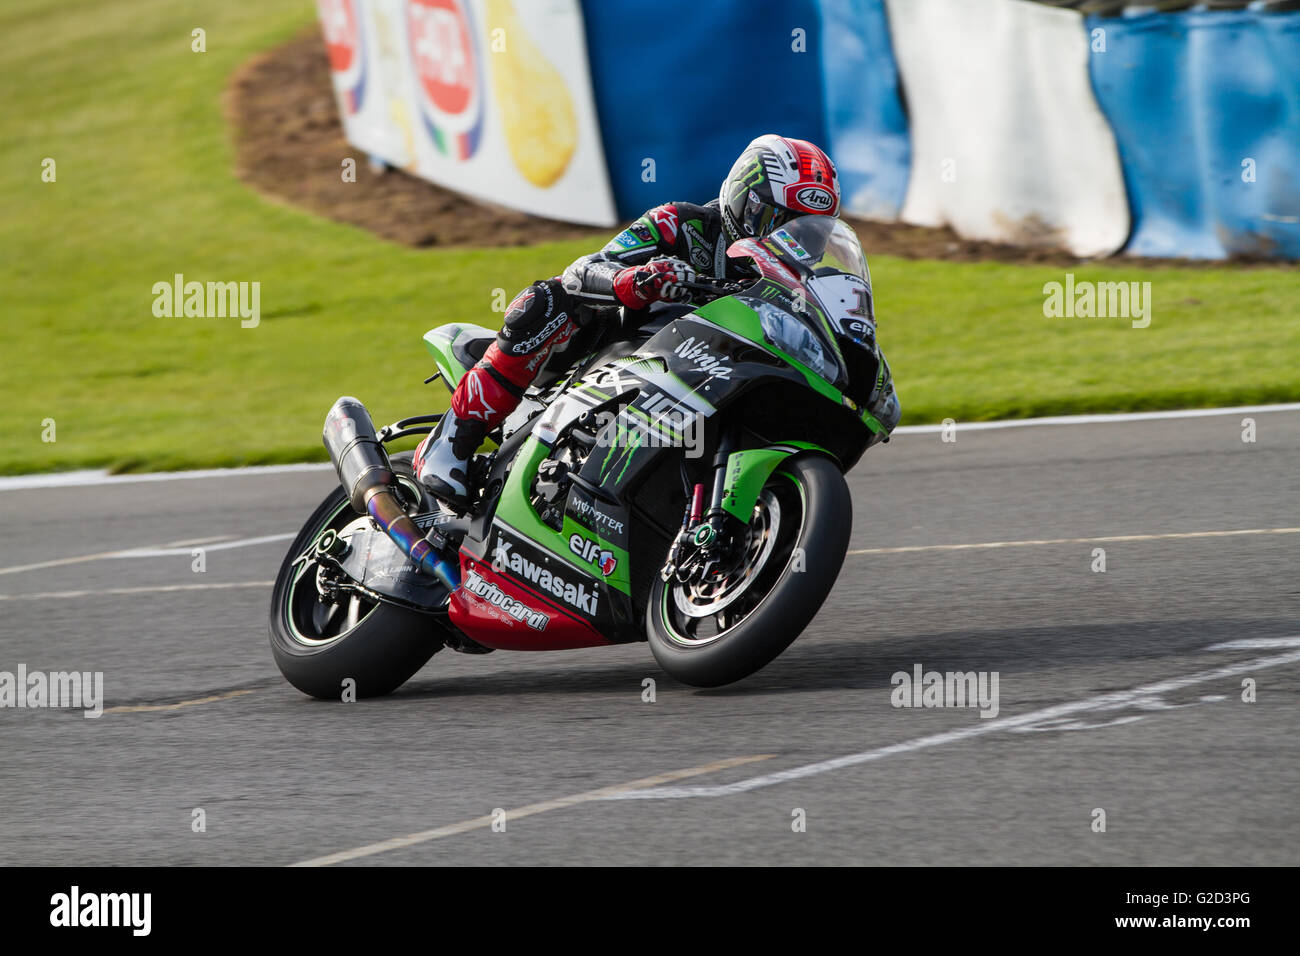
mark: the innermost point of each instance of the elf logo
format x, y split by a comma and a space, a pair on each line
593, 552
505, 558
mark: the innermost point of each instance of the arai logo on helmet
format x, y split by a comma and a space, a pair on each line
449, 74
816, 198
347, 55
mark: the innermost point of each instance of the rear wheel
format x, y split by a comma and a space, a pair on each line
725, 627
322, 637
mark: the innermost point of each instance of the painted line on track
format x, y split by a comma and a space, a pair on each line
152, 589
170, 550
149, 708
1256, 644
559, 803
149, 551
1099, 419
984, 545
979, 729
167, 552
77, 479
80, 479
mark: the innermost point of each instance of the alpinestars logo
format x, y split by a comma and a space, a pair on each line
526, 346
576, 595
477, 404
495, 596
666, 218
698, 353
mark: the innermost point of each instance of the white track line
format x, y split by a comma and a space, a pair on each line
1256, 644
171, 551
80, 479
156, 589
559, 803
982, 545
76, 479
978, 729
1100, 419
146, 552
166, 552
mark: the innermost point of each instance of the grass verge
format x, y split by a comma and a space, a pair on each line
112, 92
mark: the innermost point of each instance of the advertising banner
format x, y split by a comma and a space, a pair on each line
491, 98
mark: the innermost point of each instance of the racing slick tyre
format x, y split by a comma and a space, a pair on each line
729, 625
320, 644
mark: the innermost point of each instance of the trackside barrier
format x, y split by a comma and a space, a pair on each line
1008, 143
1206, 110
682, 86
1158, 133
865, 116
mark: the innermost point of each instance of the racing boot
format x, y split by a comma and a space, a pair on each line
481, 401
537, 323
442, 460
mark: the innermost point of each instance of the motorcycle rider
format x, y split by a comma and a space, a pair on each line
776, 179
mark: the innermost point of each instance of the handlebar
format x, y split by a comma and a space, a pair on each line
705, 288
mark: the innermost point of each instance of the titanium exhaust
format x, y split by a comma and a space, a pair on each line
368, 478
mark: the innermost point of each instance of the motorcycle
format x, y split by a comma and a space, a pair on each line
681, 483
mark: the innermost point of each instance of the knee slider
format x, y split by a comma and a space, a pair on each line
535, 315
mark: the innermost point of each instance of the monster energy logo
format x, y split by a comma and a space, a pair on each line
621, 449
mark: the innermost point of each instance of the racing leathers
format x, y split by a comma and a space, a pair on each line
647, 262
669, 245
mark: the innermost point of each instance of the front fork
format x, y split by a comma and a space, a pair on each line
705, 536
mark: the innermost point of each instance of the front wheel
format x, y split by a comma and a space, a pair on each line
715, 631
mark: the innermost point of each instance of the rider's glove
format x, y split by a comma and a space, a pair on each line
638, 286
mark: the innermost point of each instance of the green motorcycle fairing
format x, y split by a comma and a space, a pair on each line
652, 406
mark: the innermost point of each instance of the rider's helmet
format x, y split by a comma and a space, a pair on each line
777, 179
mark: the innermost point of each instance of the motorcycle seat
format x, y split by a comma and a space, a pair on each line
469, 346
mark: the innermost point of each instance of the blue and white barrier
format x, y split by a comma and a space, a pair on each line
682, 86
1206, 110
1160, 134
1008, 143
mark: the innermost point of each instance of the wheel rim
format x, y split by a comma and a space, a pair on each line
696, 614
312, 621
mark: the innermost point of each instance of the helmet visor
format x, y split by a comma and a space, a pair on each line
756, 217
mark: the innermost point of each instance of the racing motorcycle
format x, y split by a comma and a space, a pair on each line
681, 483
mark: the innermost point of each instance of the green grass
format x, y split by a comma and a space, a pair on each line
111, 91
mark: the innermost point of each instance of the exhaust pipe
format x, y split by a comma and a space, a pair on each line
367, 476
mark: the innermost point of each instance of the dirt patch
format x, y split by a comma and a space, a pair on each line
289, 146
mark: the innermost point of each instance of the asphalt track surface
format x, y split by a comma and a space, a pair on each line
1114, 693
